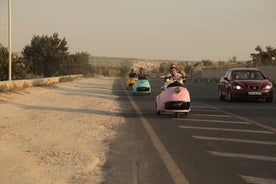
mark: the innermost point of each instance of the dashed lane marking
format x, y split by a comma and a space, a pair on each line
243, 156
204, 110
243, 118
226, 129
235, 140
213, 115
212, 121
199, 106
257, 180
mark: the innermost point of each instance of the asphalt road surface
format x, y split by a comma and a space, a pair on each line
218, 142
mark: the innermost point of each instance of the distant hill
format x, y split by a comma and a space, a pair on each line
134, 63
112, 61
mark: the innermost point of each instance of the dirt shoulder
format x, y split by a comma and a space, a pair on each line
57, 134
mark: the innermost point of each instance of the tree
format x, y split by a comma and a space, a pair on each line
18, 67
233, 60
273, 52
163, 67
4, 63
263, 57
207, 63
77, 63
123, 71
45, 54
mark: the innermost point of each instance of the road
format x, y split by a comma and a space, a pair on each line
217, 142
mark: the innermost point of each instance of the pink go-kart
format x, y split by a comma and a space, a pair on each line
175, 98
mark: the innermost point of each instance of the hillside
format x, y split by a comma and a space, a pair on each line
129, 62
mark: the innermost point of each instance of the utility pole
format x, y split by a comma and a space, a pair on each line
10, 44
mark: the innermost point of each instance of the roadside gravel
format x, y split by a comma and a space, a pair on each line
57, 134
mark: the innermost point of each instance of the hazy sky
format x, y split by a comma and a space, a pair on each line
149, 29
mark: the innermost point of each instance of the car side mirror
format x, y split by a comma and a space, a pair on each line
268, 78
225, 78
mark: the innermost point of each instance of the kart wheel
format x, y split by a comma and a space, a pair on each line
158, 112
177, 115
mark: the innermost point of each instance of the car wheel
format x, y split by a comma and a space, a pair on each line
229, 96
269, 100
220, 96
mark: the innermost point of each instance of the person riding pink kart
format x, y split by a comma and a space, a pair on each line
174, 97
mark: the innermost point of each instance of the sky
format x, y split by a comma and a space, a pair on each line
192, 30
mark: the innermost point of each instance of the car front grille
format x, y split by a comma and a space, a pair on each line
143, 89
177, 105
254, 87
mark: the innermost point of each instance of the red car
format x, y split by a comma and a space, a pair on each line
245, 84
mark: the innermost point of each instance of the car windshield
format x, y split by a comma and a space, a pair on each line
247, 75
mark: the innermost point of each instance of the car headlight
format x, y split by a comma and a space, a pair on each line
268, 86
237, 87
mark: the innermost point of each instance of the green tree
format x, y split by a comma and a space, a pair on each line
233, 60
207, 62
263, 57
45, 54
163, 68
4, 63
123, 71
77, 63
18, 66
269, 51
105, 70
273, 52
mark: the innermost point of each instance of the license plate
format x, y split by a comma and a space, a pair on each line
254, 93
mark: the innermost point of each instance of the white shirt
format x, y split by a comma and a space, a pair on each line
171, 79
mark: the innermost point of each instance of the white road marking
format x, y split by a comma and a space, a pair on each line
226, 129
203, 110
242, 118
251, 179
245, 156
199, 106
213, 115
212, 121
235, 140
